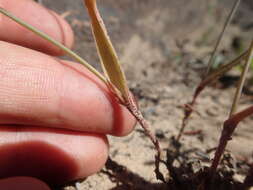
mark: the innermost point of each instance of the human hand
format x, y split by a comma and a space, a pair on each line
54, 114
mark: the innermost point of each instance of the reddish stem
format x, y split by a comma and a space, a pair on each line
188, 111
132, 107
209, 79
228, 129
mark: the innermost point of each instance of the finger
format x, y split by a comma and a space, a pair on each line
53, 156
39, 17
24, 183
36, 89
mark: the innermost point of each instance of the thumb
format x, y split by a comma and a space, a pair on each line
24, 183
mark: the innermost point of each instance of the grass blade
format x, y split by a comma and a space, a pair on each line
108, 57
219, 72
54, 42
228, 129
208, 80
229, 19
233, 120
215, 75
242, 79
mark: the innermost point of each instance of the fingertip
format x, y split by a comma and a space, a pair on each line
111, 117
98, 151
123, 121
128, 124
69, 155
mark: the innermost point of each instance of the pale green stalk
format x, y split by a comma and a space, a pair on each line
242, 80
56, 43
231, 15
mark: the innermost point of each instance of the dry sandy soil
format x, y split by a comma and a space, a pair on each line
164, 46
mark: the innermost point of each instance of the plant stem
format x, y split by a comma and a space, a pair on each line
228, 129
111, 66
209, 79
56, 43
228, 20
242, 80
187, 113
233, 120
131, 106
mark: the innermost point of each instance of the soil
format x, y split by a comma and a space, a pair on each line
164, 47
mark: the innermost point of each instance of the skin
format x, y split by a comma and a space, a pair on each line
54, 114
